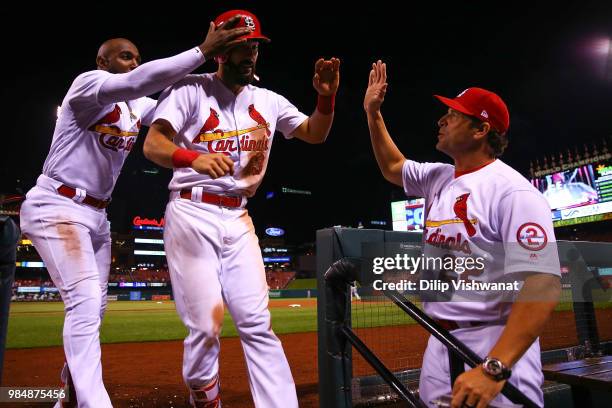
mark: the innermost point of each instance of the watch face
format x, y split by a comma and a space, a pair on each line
494, 367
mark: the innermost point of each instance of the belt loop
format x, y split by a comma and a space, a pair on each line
196, 194
79, 195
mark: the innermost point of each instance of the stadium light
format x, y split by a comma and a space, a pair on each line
600, 52
601, 46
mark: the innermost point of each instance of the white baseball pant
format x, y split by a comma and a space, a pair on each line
214, 256
73, 241
435, 375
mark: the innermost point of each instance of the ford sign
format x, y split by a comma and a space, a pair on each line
275, 232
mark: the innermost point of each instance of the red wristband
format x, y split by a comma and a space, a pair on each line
325, 104
183, 157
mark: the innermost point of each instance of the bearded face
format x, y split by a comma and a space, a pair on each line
239, 64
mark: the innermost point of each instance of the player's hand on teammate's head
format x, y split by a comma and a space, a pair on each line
327, 76
215, 165
377, 87
220, 39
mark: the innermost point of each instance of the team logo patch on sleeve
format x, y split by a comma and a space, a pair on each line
531, 236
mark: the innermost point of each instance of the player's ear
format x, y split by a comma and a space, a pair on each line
482, 130
102, 63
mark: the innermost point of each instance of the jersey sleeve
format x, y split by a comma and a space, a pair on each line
149, 78
84, 90
418, 178
175, 105
148, 106
289, 117
525, 226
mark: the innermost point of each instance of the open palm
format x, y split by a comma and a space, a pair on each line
377, 87
327, 76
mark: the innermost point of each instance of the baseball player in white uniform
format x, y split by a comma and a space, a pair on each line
223, 127
478, 207
64, 214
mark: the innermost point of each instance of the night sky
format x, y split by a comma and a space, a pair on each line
540, 58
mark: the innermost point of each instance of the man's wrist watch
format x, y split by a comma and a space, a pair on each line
496, 369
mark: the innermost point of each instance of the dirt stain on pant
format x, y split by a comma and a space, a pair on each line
69, 236
217, 317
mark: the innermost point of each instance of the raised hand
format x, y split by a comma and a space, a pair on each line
377, 87
327, 76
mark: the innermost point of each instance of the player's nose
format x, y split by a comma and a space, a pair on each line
250, 52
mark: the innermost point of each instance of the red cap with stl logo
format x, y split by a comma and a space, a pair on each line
481, 104
248, 20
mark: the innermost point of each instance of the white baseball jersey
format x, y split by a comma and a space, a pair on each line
493, 213
209, 118
223, 259
100, 118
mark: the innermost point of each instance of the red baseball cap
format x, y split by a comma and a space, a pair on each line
481, 104
248, 20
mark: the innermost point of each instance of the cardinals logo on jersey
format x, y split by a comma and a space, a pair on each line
111, 135
208, 133
455, 242
211, 123
256, 116
460, 210
252, 139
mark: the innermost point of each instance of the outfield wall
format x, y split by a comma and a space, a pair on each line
292, 293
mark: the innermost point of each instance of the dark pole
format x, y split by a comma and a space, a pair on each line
384, 372
9, 236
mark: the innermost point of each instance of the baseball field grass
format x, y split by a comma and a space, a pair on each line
303, 284
39, 324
